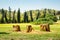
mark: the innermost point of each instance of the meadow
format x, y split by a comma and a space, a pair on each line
6, 32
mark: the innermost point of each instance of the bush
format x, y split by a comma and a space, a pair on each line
52, 17
55, 19
49, 19
43, 21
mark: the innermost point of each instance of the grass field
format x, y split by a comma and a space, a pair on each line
6, 32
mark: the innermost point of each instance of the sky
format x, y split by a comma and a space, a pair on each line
25, 5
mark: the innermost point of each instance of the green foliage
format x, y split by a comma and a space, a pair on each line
31, 15
5, 12
52, 17
14, 16
28, 16
38, 14
43, 21
49, 18
3, 15
10, 15
18, 15
25, 17
55, 19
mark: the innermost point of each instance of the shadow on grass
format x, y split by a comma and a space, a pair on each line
4, 33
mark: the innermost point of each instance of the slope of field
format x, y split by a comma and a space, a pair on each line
6, 32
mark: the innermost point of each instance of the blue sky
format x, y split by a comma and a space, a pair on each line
25, 5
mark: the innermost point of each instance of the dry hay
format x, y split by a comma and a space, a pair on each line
45, 27
16, 28
29, 28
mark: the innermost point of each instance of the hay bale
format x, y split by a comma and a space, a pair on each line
29, 28
45, 27
16, 28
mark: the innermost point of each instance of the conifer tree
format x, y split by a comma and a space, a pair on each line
31, 15
18, 15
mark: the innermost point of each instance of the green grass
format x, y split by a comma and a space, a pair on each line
6, 32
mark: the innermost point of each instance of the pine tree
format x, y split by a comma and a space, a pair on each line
25, 17
38, 15
54, 13
2, 11
14, 16
6, 16
9, 15
31, 15
45, 12
18, 15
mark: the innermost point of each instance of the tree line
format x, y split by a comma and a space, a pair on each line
8, 16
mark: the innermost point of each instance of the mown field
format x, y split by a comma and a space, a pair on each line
6, 32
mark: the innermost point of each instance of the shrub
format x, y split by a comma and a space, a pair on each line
52, 17
49, 18
43, 21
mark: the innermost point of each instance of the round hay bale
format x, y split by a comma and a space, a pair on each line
29, 28
16, 28
45, 27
